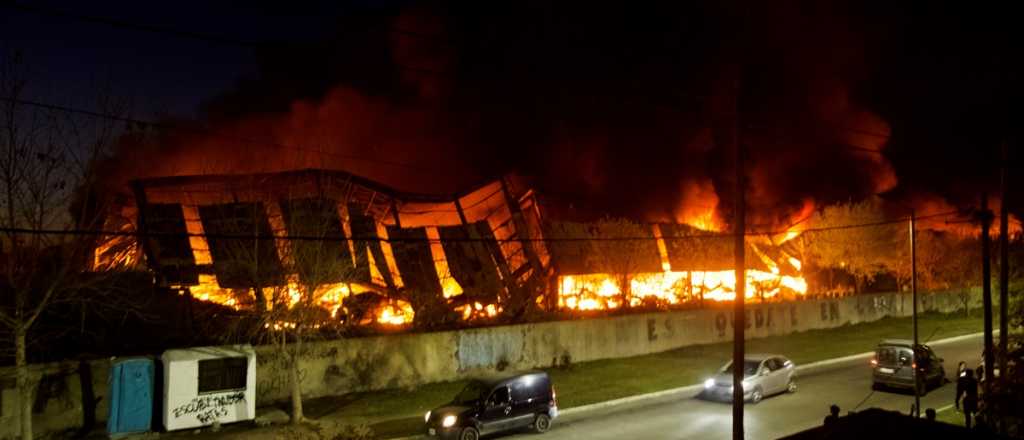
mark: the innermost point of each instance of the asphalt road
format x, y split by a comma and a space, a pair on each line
846, 384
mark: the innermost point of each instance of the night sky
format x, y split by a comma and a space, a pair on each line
616, 106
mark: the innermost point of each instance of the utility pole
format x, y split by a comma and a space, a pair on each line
986, 290
1004, 266
735, 135
739, 317
913, 288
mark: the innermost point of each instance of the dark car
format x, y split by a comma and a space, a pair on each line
485, 406
895, 361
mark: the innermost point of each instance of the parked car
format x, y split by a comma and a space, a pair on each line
895, 361
763, 375
489, 405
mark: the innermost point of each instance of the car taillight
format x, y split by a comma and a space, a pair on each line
913, 365
874, 362
554, 397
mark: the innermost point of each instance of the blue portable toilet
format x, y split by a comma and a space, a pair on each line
131, 396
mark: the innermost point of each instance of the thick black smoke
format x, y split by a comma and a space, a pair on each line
621, 107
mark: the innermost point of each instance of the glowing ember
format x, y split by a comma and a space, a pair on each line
795, 263
209, 290
449, 286
398, 312
115, 254
478, 310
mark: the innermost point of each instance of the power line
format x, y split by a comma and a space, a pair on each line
231, 41
151, 234
209, 132
41, 10
124, 24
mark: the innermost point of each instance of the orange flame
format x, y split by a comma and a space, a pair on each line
699, 206
398, 312
601, 291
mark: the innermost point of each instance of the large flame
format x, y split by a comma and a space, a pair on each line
329, 297
699, 206
602, 291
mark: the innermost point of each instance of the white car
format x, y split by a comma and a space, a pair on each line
763, 375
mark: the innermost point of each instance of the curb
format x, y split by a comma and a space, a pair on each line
581, 411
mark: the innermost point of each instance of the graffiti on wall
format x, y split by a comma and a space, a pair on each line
765, 318
875, 305
277, 383
830, 311
208, 408
654, 331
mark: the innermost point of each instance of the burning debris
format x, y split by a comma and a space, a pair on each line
247, 242
695, 265
244, 242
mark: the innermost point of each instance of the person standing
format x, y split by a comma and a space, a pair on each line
967, 388
833, 416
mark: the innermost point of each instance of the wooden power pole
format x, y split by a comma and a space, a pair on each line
918, 388
1004, 266
986, 289
739, 321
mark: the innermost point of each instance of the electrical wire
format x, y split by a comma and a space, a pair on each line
124, 24
208, 132
152, 234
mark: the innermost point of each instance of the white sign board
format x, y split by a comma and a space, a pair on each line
204, 385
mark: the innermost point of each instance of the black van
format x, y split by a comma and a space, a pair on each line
512, 401
894, 364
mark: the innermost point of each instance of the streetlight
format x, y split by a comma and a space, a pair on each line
913, 289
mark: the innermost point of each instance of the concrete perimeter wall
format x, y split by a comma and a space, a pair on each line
396, 361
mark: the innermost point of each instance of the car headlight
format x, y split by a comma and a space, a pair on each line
426, 418
448, 421
708, 384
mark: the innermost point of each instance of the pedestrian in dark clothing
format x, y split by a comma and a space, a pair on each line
967, 389
833, 417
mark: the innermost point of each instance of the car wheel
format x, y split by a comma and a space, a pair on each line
542, 423
756, 395
469, 434
791, 387
875, 386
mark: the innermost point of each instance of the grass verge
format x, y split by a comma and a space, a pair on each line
951, 416
597, 381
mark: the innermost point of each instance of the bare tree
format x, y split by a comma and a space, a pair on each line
299, 265
621, 248
46, 170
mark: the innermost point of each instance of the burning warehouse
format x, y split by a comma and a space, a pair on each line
226, 238
375, 255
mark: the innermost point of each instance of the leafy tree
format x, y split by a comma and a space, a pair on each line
944, 260
863, 251
1000, 407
